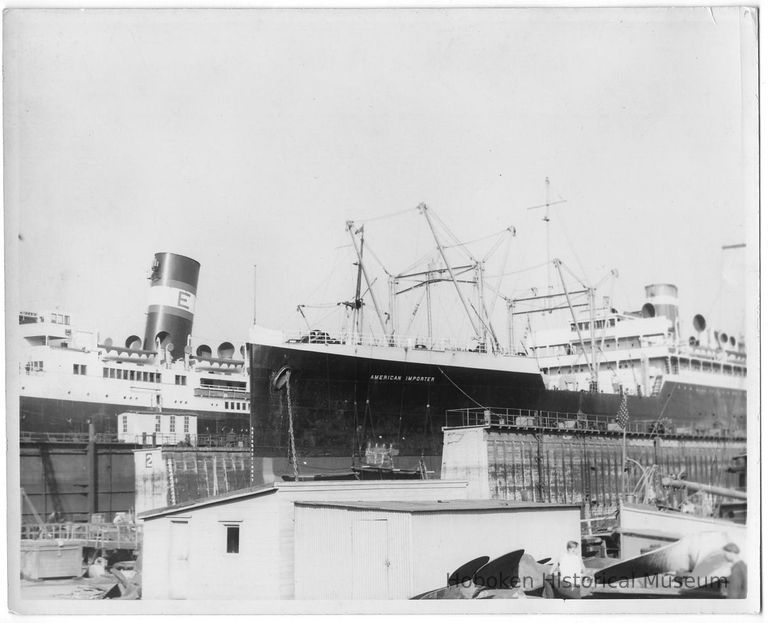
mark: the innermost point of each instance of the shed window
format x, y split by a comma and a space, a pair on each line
233, 539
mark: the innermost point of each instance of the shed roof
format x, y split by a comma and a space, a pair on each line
441, 506
298, 487
224, 498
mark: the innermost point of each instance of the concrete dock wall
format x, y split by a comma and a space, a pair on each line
572, 468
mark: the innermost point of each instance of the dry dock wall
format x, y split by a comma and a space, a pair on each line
56, 478
571, 468
168, 476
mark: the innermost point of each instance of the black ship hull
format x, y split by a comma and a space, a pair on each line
341, 402
49, 415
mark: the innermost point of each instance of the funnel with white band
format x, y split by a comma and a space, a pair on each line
172, 297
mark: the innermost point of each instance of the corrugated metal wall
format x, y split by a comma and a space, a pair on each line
373, 554
352, 554
345, 491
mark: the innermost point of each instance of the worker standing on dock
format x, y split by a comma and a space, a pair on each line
567, 573
736, 587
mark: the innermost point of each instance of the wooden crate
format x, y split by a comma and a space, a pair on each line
47, 559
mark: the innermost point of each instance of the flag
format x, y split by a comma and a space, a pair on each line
622, 417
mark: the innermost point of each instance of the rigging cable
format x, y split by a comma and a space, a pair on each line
415, 311
517, 272
450, 234
383, 216
380, 263
503, 266
430, 255
459, 388
488, 237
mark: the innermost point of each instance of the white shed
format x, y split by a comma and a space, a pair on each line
241, 545
157, 428
396, 550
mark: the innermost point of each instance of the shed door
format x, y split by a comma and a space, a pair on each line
370, 559
179, 560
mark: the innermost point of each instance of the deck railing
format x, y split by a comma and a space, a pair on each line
582, 422
208, 440
78, 438
210, 392
100, 535
398, 341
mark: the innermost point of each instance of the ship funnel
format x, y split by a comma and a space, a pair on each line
732, 341
648, 311
203, 351
663, 298
724, 338
172, 296
133, 342
699, 323
226, 350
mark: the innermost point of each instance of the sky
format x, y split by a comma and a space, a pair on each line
249, 138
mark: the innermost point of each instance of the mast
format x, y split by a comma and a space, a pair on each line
357, 313
593, 373
592, 339
392, 304
429, 303
358, 252
423, 209
546, 220
547, 204
254, 294
481, 302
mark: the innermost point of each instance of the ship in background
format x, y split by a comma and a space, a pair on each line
69, 377
321, 397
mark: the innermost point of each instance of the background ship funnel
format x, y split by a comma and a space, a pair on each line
172, 297
663, 299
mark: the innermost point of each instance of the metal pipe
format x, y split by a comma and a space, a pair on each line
550, 296
549, 309
723, 491
434, 270
92, 469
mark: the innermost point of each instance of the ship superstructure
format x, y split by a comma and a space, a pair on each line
69, 377
641, 353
